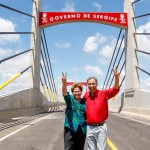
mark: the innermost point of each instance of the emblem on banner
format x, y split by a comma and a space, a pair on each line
122, 19
44, 18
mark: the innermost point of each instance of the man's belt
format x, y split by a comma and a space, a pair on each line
98, 124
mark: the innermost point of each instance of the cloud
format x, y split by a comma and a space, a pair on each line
143, 40
5, 53
93, 70
145, 84
10, 68
7, 26
103, 61
97, 6
106, 51
69, 7
62, 45
143, 44
93, 42
14, 66
145, 28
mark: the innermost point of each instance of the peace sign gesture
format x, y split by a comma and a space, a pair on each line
64, 83
64, 78
116, 73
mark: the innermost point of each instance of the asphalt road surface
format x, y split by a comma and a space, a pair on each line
46, 133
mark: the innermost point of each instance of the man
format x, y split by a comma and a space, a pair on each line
97, 112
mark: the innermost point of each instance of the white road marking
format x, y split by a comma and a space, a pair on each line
3, 138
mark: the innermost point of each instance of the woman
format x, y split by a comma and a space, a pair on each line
75, 122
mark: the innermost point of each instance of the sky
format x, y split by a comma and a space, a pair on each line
81, 49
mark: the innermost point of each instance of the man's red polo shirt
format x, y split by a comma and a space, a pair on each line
97, 105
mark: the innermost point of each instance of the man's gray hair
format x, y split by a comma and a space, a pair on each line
92, 78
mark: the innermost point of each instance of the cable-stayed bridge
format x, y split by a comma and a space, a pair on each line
39, 102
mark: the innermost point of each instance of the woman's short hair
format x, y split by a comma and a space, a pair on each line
75, 85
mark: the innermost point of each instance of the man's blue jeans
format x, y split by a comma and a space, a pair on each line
97, 137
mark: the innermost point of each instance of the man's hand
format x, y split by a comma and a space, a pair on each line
117, 75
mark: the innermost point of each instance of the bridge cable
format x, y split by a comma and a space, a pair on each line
46, 72
7, 7
135, 2
52, 77
141, 16
12, 79
143, 52
112, 58
118, 65
16, 32
138, 68
49, 60
46, 61
119, 72
114, 61
15, 55
143, 70
50, 83
44, 76
43, 88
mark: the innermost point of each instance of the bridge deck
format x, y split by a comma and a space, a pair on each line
46, 133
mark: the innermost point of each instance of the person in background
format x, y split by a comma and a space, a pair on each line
75, 120
97, 111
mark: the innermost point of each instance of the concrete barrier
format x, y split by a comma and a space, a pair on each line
22, 103
135, 101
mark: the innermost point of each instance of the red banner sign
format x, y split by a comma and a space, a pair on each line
52, 18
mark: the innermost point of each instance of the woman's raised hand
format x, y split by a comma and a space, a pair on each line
64, 77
